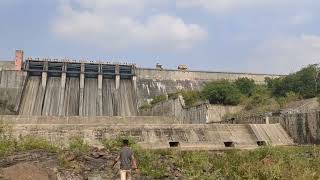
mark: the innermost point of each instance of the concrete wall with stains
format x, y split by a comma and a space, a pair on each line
157, 136
304, 128
200, 114
153, 82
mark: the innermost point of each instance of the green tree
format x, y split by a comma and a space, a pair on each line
190, 97
260, 97
245, 85
303, 83
221, 92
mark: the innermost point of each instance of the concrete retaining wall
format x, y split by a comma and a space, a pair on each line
256, 119
201, 114
11, 87
155, 135
144, 73
7, 65
150, 88
216, 113
304, 128
174, 108
87, 120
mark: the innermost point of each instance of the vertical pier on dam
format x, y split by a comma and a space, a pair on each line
64, 88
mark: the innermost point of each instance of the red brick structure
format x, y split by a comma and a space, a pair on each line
19, 60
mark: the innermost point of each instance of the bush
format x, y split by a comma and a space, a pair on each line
34, 143
261, 101
158, 99
221, 92
78, 145
115, 144
190, 97
5, 131
289, 97
260, 97
150, 164
245, 85
145, 105
7, 146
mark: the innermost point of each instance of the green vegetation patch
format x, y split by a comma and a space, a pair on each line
222, 92
304, 83
78, 145
158, 99
298, 162
35, 143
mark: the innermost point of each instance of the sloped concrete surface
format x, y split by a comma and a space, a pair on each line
272, 134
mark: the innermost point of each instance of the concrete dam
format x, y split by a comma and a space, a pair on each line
60, 99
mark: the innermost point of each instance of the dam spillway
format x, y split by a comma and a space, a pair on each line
78, 89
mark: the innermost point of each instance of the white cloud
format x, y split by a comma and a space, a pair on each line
301, 18
118, 24
222, 6
285, 55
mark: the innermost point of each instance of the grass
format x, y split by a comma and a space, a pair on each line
78, 145
9, 145
298, 162
115, 144
34, 143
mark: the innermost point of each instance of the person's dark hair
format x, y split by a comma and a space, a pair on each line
125, 142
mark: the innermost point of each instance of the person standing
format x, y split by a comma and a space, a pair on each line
127, 161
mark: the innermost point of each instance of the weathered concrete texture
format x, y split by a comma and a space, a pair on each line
7, 65
252, 119
12, 119
127, 99
271, 133
52, 96
145, 73
11, 86
65, 96
214, 136
153, 82
71, 97
304, 128
216, 113
149, 88
200, 114
90, 97
174, 108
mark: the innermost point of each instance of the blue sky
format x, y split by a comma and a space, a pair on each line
261, 36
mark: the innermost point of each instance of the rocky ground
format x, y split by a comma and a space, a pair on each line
294, 162
67, 165
41, 165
